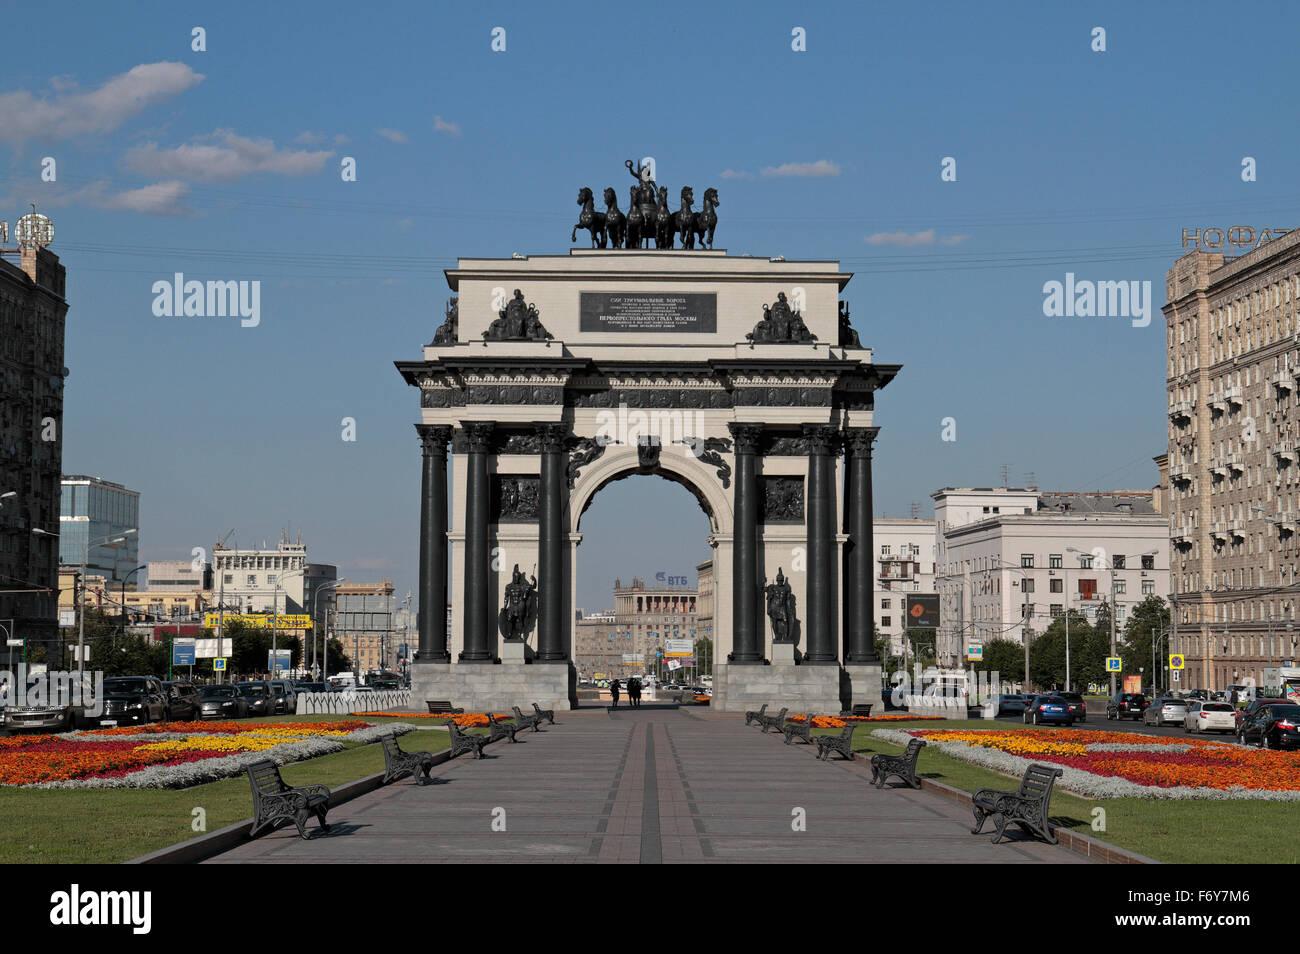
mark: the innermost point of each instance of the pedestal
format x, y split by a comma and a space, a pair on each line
814, 689
513, 653
492, 688
783, 654
862, 687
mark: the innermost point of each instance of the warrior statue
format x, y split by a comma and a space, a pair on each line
780, 608
446, 333
848, 337
517, 321
520, 611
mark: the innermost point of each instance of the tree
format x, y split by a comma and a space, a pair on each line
1149, 617
921, 645
704, 656
1004, 657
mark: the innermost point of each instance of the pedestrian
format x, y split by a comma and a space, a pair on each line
613, 692
634, 692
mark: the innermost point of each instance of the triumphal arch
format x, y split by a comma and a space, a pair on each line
739, 377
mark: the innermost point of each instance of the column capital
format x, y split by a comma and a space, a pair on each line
747, 437
553, 434
822, 438
434, 438
479, 435
859, 440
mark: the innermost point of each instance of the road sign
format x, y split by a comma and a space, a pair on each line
1114, 664
183, 652
1176, 661
13, 642
218, 665
674, 665
67, 618
974, 653
1174, 676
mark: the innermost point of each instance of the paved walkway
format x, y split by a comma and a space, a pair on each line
650, 786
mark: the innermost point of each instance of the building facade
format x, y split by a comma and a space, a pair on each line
32, 313
261, 581
363, 623
904, 563
178, 576
1010, 560
1233, 349
599, 647
93, 512
649, 616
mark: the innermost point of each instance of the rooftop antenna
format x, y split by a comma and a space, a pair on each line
915, 510
1031, 479
1006, 471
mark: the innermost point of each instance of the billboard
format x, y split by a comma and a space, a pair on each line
679, 647
922, 610
261, 620
283, 661
183, 652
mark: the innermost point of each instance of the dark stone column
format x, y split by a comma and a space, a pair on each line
746, 641
478, 607
859, 567
819, 647
433, 544
550, 546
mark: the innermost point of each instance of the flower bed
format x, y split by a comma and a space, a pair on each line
1101, 764
839, 722
466, 720
170, 754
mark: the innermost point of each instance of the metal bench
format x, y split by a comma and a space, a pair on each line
774, 722
547, 714
501, 729
799, 730
399, 764
442, 707
275, 802
465, 742
525, 721
1027, 806
756, 718
864, 711
904, 766
842, 743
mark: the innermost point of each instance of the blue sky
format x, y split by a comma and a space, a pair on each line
224, 164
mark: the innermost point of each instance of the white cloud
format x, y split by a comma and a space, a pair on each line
393, 135
307, 138
161, 198
442, 125
735, 174
71, 111
808, 170
902, 238
228, 156
953, 239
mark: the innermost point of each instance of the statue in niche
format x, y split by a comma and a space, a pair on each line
519, 614
780, 608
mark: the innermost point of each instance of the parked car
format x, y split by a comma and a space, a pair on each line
1012, 702
51, 714
182, 700
310, 687
1272, 726
285, 699
1198, 694
1126, 705
134, 699
381, 681
1048, 709
1209, 717
1078, 708
1250, 710
259, 696
222, 702
1166, 711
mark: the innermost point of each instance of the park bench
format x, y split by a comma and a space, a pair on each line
1026, 806
275, 802
501, 729
525, 721
799, 730
842, 743
399, 764
862, 711
904, 766
465, 742
756, 718
442, 707
774, 722
548, 714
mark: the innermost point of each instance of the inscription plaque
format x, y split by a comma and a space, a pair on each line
648, 312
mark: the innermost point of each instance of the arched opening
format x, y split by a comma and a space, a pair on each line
643, 586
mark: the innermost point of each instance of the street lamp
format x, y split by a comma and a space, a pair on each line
85, 556
325, 648
275, 612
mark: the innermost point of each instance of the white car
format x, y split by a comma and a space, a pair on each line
1210, 717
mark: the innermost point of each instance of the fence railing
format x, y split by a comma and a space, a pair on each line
342, 703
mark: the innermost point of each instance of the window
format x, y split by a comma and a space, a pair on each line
884, 551
1026, 586
1085, 561
230, 578
1117, 561
252, 579
886, 620
1149, 562
1056, 586
884, 604
270, 578
1054, 561
1148, 587
1088, 589
1057, 610
1121, 586
1027, 560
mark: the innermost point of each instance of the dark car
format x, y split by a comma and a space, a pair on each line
382, 681
1012, 702
1051, 708
310, 687
182, 699
1250, 710
259, 696
222, 702
1078, 708
285, 698
1271, 726
1126, 705
134, 699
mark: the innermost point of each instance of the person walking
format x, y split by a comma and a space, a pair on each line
613, 692
634, 692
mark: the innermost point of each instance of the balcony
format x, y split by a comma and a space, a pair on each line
1181, 536
1180, 474
1182, 410
1218, 467
1237, 528
1219, 532
1285, 450
1233, 395
1282, 380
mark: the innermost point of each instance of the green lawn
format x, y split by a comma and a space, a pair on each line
115, 825
1195, 832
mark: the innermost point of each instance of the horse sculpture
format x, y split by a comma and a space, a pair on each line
589, 219
615, 221
707, 219
635, 223
684, 220
663, 222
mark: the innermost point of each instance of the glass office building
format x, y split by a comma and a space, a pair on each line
95, 509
